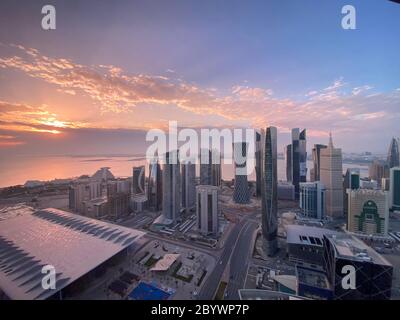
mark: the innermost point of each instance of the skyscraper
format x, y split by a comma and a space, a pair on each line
188, 185
351, 181
207, 209
303, 156
316, 156
379, 169
393, 157
258, 164
216, 174
269, 190
210, 167
288, 158
171, 181
154, 188
295, 159
312, 199
298, 159
332, 178
395, 189
368, 211
241, 192
138, 174
118, 196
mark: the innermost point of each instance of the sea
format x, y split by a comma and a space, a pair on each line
19, 169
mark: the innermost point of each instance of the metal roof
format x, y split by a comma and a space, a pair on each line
73, 244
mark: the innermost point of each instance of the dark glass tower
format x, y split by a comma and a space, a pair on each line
171, 187
241, 192
393, 157
269, 190
258, 164
154, 189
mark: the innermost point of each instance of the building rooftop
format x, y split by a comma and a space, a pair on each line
312, 277
166, 262
300, 234
349, 247
73, 244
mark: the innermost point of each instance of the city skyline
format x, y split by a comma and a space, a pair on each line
62, 90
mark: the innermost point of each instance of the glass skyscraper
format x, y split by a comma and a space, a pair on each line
269, 190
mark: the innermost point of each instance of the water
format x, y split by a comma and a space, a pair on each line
19, 169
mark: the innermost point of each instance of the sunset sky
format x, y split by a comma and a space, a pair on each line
114, 69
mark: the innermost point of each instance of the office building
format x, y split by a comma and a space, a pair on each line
368, 212
296, 159
395, 189
288, 160
188, 185
81, 192
118, 198
385, 184
138, 180
379, 169
269, 190
154, 188
241, 194
373, 272
171, 186
332, 178
303, 156
351, 181
207, 209
210, 167
393, 158
305, 244
312, 199
316, 157
258, 164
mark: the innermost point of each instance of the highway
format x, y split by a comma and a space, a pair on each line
236, 252
239, 261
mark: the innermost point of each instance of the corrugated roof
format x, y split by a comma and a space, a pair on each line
73, 244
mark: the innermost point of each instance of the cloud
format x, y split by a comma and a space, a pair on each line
23, 117
334, 107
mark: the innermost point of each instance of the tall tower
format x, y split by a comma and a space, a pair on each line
269, 190
296, 160
332, 177
171, 181
138, 180
207, 209
393, 157
188, 185
258, 164
288, 158
241, 192
303, 156
210, 167
316, 156
394, 190
154, 188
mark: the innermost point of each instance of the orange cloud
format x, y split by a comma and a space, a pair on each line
115, 91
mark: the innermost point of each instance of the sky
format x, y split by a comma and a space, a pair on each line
112, 70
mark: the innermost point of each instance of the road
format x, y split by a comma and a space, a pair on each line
239, 261
235, 252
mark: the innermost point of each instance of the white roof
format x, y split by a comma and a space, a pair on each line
166, 262
73, 244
